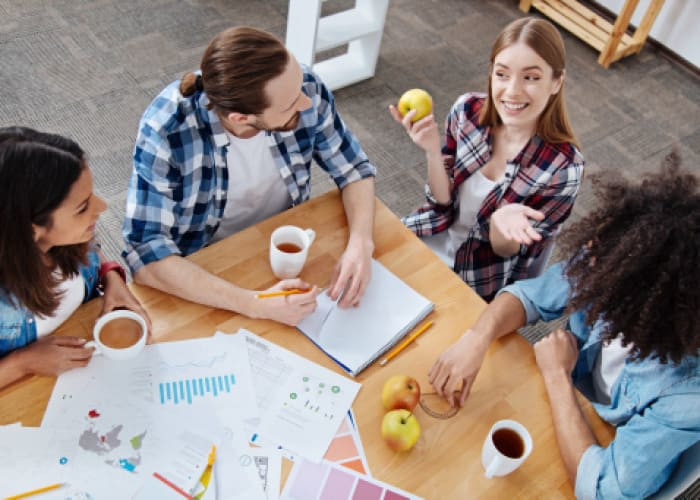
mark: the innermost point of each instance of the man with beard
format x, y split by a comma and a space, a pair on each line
224, 148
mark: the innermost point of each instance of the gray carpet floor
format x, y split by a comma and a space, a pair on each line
88, 69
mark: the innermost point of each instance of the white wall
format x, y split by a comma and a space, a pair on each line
677, 25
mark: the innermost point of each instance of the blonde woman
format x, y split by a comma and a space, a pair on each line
509, 170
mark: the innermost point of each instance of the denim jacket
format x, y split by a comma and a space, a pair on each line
655, 407
17, 324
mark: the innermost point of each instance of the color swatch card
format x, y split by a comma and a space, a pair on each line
301, 404
346, 447
325, 481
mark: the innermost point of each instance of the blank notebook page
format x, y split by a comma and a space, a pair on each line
356, 336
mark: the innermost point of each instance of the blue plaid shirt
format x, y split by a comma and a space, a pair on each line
177, 192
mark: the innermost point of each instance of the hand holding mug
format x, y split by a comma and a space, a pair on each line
53, 355
119, 335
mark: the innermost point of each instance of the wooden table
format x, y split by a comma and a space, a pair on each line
446, 461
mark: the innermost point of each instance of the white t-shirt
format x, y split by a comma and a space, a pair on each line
471, 195
256, 190
608, 366
73, 294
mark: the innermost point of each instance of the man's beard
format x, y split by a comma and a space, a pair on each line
287, 127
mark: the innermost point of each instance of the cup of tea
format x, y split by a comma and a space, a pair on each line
289, 246
119, 335
505, 448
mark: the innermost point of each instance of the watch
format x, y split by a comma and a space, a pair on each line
106, 267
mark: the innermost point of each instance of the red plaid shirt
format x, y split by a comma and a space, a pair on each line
543, 176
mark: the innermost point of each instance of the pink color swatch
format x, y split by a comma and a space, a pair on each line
346, 448
328, 481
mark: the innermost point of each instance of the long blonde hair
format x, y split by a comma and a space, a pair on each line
541, 36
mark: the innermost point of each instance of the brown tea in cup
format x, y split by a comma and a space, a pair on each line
289, 247
120, 333
509, 442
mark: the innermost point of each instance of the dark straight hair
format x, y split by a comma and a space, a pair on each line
37, 171
236, 66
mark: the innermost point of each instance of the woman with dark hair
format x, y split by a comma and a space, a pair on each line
632, 341
510, 169
49, 263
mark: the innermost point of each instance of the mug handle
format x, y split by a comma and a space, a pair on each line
92, 343
493, 467
311, 234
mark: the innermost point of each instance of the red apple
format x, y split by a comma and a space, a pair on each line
400, 430
401, 391
417, 99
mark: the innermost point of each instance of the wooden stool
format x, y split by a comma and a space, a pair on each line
611, 40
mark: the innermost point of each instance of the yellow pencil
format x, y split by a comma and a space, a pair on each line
280, 293
36, 491
403, 344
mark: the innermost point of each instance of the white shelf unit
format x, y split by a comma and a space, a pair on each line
360, 28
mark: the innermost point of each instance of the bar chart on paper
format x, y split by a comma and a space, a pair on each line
185, 391
212, 372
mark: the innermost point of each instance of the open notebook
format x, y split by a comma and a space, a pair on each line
355, 337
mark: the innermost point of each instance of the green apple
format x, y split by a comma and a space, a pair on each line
417, 99
400, 430
400, 392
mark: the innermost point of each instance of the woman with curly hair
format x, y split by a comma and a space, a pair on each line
49, 262
632, 342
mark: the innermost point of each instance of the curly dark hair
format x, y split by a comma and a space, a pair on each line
634, 262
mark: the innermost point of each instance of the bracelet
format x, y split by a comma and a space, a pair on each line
106, 267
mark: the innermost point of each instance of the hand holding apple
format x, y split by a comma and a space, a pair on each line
421, 125
400, 430
417, 99
400, 392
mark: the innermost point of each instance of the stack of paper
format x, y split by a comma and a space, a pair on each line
202, 384
301, 404
146, 427
107, 454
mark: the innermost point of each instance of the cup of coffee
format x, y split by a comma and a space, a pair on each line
289, 246
506, 447
119, 335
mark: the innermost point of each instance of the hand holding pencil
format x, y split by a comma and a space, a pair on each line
288, 302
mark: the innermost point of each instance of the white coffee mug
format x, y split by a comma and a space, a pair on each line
118, 353
504, 451
289, 246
